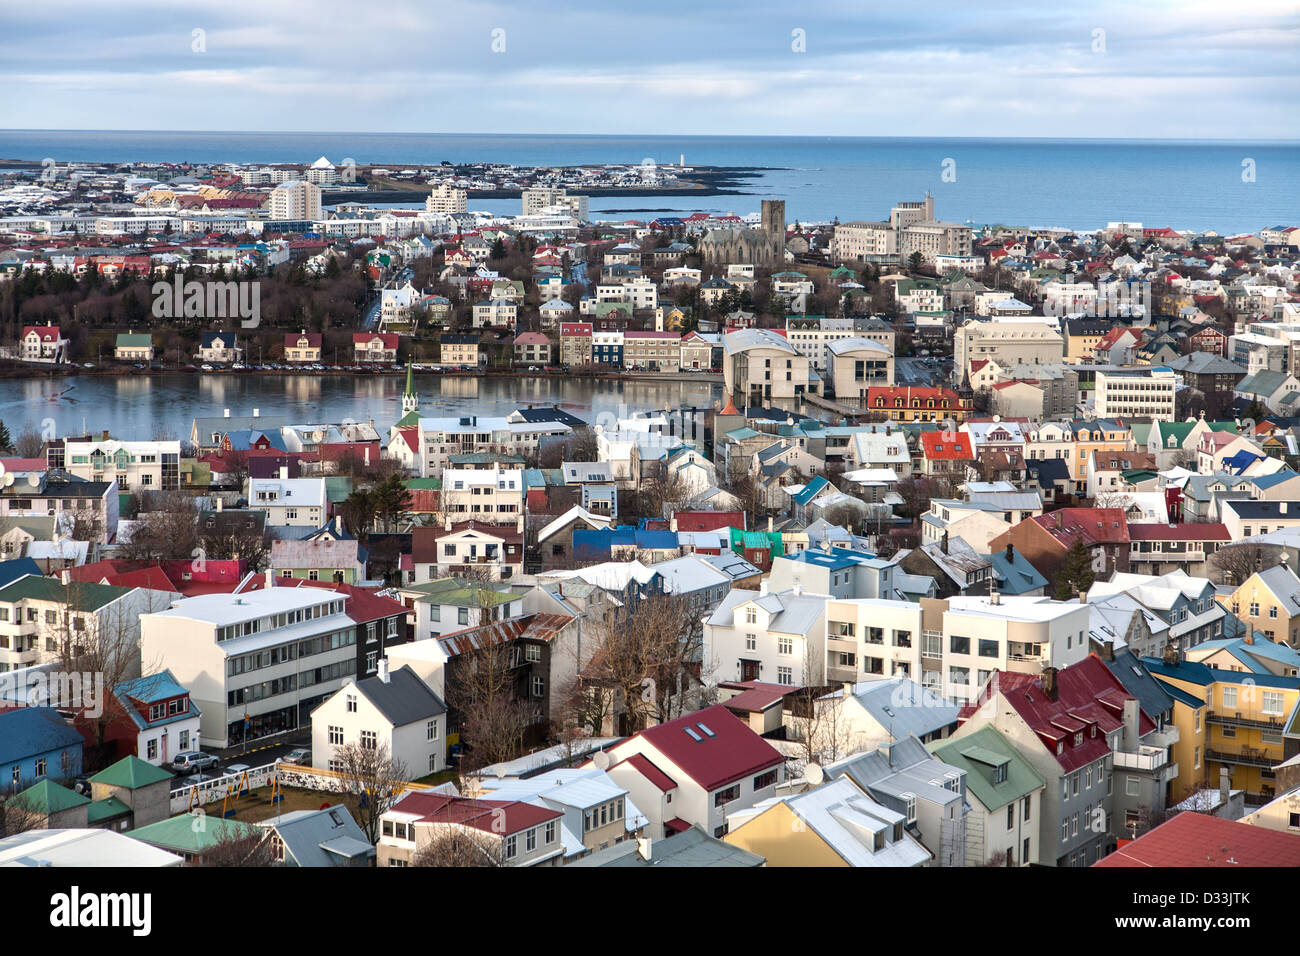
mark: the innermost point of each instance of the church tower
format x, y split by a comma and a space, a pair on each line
410, 401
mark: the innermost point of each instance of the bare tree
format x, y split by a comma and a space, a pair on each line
235, 846
458, 846
484, 696
17, 816
30, 444
166, 529
1237, 562
376, 775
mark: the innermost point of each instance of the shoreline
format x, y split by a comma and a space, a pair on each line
9, 374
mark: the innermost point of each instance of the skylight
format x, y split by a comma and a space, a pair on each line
693, 735
706, 730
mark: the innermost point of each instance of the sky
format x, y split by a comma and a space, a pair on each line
1193, 69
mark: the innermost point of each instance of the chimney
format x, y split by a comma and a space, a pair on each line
1011, 552
1225, 785
1281, 507
104, 435
1249, 638
519, 524
762, 586
643, 845
227, 413
1049, 682
1131, 716
383, 669
367, 456
446, 522
220, 505
257, 413
1172, 655
769, 524
943, 543
284, 472
1108, 650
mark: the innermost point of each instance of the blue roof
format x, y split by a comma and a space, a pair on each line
11, 571
656, 540
243, 439
151, 689
837, 559
1015, 575
31, 731
1203, 674
1249, 654
810, 490
1268, 481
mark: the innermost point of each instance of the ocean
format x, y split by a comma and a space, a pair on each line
1078, 184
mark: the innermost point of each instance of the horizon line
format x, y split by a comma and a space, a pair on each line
710, 136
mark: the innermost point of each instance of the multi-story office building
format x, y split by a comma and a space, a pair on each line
446, 198
1136, 394
256, 663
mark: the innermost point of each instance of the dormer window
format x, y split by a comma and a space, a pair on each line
1078, 739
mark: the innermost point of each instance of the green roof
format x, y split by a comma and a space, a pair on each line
46, 798
462, 593
426, 484
978, 754
1136, 475
138, 340
131, 773
80, 596
189, 833
106, 809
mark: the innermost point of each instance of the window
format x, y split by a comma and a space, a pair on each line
369, 740
1229, 697
539, 687
41, 766
530, 840
1000, 773
723, 797
1065, 830
764, 780
784, 675
751, 642
785, 645
1025, 806
512, 847
532, 653
352, 703
959, 645
1272, 702
462, 615
336, 736
1132, 786
431, 730
988, 648
550, 833
1011, 815
910, 800
751, 615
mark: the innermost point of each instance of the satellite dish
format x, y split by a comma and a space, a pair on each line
318, 434
34, 479
814, 774
601, 760
8, 480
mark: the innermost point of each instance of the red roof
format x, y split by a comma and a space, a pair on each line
313, 339
1178, 532
389, 339
645, 766
714, 757
48, 333
502, 817
757, 695
709, 520
1197, 839
575, 328
1094, 525
12, 465
1088, 696
940, 447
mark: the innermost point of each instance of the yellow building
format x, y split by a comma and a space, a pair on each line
1267, 602
1240, 726
834, 824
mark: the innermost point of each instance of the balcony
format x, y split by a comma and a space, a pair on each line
1246, 757
1149, 759
1162, 738
1236, 720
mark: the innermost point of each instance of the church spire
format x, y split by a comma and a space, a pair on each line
410, 401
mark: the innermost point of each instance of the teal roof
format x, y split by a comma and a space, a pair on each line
131, 773
46, 798
182, 835
106, 809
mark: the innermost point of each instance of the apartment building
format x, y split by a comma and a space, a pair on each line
135, 465
296, 200
256, 663
441, 438
39, 616
446, 198
576, 343
492, 495
87, 507
952, 646
652, 351
542, 199
1136, 394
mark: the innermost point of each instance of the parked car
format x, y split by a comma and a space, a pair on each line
301, 755
237, 768
192, 760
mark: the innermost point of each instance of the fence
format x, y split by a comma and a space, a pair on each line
291, 775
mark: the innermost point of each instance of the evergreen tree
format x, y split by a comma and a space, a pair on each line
498, 248
1076, 574
6, 441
